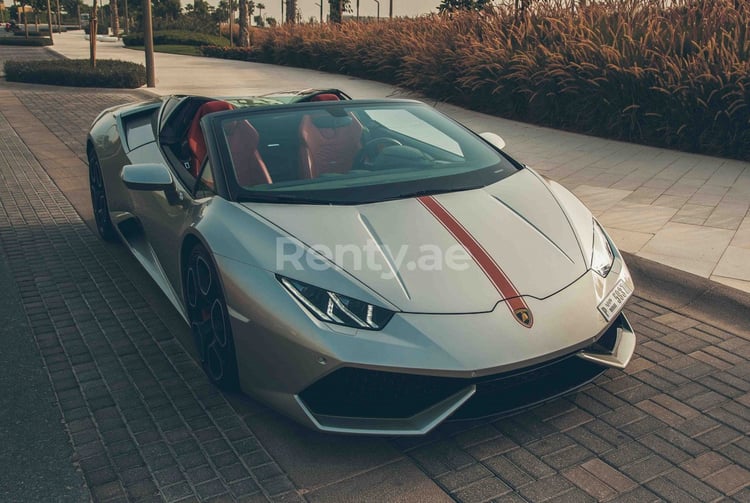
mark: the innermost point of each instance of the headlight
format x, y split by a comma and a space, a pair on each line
602, 257
336, 308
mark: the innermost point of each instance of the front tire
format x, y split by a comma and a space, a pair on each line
209, 320
99, 199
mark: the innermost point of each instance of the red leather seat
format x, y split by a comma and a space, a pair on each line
243, 141
328, 144
325, 97
196, 141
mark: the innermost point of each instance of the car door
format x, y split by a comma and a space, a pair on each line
165, 216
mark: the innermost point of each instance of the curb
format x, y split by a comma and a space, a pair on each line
688, 294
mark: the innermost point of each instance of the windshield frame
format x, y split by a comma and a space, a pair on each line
479, 177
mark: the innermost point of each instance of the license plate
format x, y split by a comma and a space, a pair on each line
614, 301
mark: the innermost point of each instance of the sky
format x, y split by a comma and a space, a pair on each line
366, 7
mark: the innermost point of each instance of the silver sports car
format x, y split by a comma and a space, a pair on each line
363, 266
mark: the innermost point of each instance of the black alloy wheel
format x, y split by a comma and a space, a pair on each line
209, 320
99, 199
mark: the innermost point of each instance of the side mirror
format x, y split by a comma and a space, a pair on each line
149, 177
493, 140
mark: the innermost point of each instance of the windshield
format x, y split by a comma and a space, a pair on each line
351, 152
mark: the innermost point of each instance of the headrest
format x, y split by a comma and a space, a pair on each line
213, 106
330, 122
325, 97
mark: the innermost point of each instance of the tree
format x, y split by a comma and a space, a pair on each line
337, 9
200, 9
291, 11
49, 19
70, 6
115, 22
59, 16
221, 13
231, 23
37, 7
260, 7
167, 9
246, 10
454, 5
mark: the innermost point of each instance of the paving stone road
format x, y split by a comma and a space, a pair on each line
142, 419
144, 424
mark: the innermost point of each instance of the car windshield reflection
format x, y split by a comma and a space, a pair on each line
354, 152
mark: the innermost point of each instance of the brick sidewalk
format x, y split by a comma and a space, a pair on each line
674, 426
144, 422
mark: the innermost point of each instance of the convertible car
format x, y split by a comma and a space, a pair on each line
363, 266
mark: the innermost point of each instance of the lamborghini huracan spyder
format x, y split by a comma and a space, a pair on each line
363, 266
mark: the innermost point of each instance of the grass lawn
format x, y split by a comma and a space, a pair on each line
185, 50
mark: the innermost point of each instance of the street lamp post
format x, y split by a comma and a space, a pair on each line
321, 10
357, 10
378, 2
390, 9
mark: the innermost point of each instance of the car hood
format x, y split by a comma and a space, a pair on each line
435, 254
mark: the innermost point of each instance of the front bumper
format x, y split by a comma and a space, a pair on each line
363, 401
421, 369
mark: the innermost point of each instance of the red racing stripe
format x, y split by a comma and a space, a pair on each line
484, 260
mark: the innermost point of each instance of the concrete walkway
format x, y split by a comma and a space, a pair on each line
683, 210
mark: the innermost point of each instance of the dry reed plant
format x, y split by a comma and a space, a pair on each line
660, 72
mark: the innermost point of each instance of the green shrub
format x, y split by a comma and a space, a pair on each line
42, 32
35, 41
240, 53
55, 29
101, 29
77, 72
190, 22
176, 37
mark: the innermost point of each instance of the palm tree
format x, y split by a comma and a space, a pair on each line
245, 23
337, 9
260, 7
291, 11
115, 22
231, 23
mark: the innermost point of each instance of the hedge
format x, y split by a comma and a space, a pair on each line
677, 77
34, 41
101, 29
77, 73
176, 37
55, 29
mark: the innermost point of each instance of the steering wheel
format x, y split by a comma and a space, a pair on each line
372, 149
